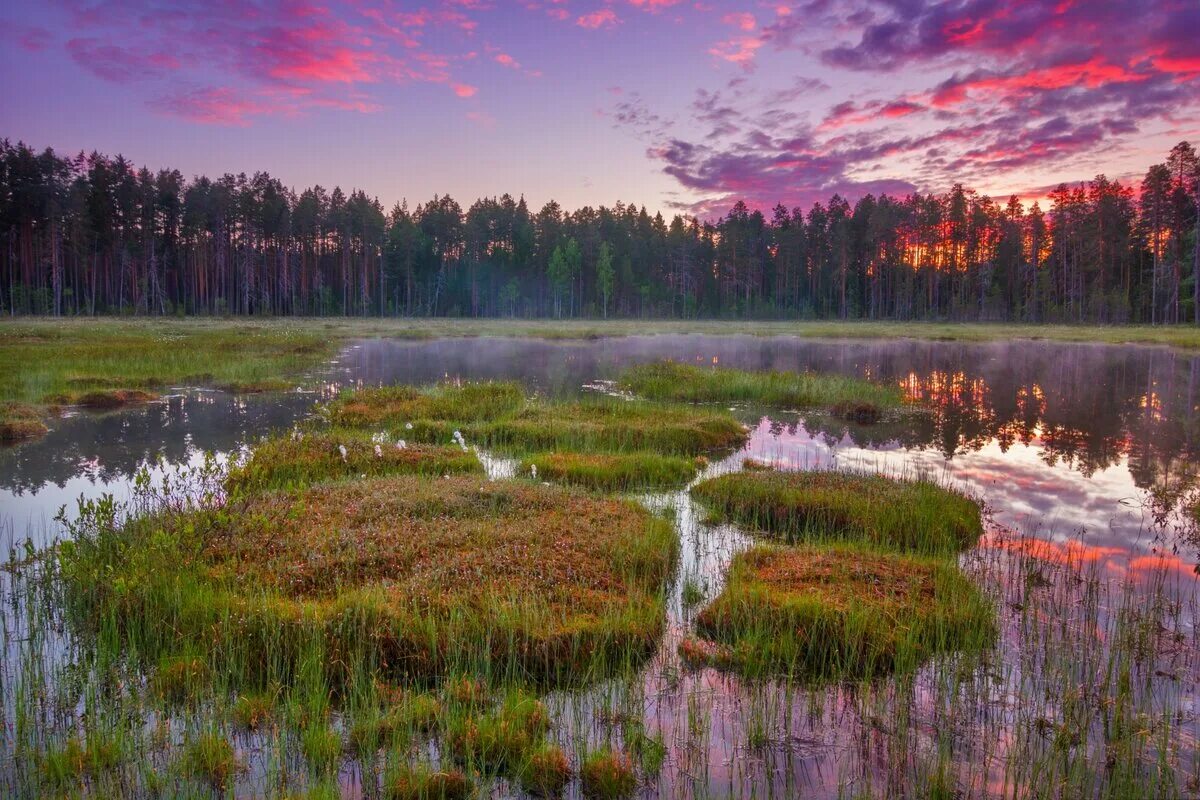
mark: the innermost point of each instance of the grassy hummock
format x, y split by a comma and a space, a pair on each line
913, 516
613, 472
497, 415
302, 458
670, 380
838, 612
19, 421
405, 576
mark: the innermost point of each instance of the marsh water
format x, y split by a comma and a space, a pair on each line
1082, 454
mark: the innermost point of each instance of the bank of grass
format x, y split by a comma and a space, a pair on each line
101, 361
797, 506
497, 415
842, 612
613, 472
307, 457
405, 576
673, 381
42, 358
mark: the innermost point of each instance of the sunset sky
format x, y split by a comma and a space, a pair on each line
674, 104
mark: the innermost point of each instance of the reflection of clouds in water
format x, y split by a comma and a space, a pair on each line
1023, 491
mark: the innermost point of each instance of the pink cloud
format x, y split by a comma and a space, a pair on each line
601, 18
464, 90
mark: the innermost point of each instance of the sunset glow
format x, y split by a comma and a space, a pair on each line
678, 105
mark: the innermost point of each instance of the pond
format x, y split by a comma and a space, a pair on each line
1083, 455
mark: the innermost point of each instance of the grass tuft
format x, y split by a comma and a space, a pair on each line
671, 380
838, 612
613, 472
895, 514
607, 775
210, 758
421, 782
20, 421
301, 459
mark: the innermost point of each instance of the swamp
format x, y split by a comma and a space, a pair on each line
318, 561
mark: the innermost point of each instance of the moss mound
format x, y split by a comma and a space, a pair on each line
670, 380
301, 459
418, 577
103, 399
497, 415
838, 612
19, 421
614, 472
894, 514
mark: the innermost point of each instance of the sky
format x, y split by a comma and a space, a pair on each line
678, 105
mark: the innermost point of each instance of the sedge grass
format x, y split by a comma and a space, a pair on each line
673, 381
907, 515
299, 459
613, 472
407, 575
839, 612
497, 415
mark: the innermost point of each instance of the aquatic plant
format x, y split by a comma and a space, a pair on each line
311, 457
607, 775
20, 421
840, 611
907, 515
545, 771
453, 402
613, 471
406, 575
211, 758
671, 380
404, 781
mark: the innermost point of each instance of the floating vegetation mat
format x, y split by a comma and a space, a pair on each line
497, 415
670, 380
303, 458
615, 472
403, 576
912, 516
839, 612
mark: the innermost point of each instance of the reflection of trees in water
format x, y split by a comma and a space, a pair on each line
1087, 407
113, 446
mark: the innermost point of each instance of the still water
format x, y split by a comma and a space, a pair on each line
1085, 444
1082, 454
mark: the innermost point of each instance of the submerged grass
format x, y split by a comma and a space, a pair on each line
908, 515
401, 575
497, 415
671, 380
300, 458
613, 472
838, 612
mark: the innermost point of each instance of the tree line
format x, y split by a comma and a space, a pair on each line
92, 234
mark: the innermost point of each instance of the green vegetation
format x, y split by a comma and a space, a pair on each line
670, 380
210, 758
613, 472
840, 611
421, 782
496, 415
915, 516
607, 775
20, 421
420, 577
311, 457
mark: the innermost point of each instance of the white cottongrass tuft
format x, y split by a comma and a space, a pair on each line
401, 444
378, 451
342, 450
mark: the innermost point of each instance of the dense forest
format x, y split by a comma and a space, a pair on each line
90, 234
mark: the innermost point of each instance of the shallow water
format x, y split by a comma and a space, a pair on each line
1085, 452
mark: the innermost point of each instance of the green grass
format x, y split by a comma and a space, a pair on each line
406, 575
838, 612
63, 358
496, 415
311, 457
607, 775
20, 421
673, 381
612, 472
913, 516
404, 781
210, 758
70, 361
